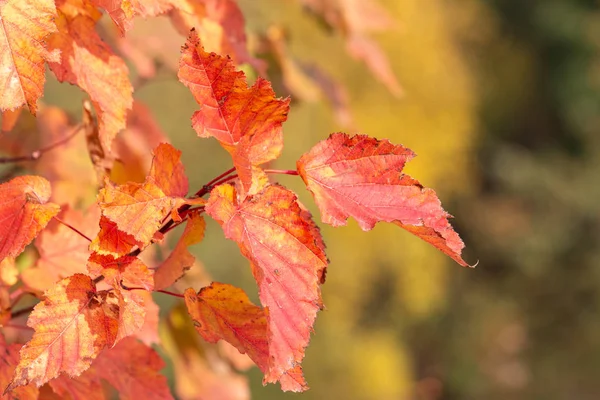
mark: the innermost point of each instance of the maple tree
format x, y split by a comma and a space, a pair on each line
96, 319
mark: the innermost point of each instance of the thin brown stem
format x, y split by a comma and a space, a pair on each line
281, 171
159, 291
38, 153
73, 229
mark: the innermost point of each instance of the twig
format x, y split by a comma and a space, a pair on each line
73, 229
159, 291
281, 171
38, 153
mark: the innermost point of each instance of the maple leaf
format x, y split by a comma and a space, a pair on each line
24, 26
362, 177
124, 273
123, 12
90, 63
180, 259
9, 358
245, 120
355, 19
221, 27
133, 369
72, 312
222, 311
288, 260
138, 209
24, 212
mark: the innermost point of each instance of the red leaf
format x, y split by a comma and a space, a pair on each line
63, 252
9, 358
180, 258
287, 253
167, 171
124, 273
245, 120
24, 25
361, 177
134, 370
112, 241
72, 312
86, 386
123, 12
90, 63
222, 311
24, 212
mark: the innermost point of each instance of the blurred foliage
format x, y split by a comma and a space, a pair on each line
501, 103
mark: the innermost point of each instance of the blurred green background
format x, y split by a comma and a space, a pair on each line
501, 102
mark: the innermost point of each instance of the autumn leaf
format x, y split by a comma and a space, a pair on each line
25, 25
139, 209
133, 369
180, 259
287, 254
167, 171
90, 63
63, 252
221, 27
111, 241
72, 312
9, 358
133, 146
86, 386
124, 274
356, 20
123, 12
361, 177
245, 120
224, 312
24, 212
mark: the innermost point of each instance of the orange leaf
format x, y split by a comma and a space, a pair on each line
24, 26
64, 252
362, 177
123, 273
90, 63
134, 370
221, 27
112, 241
222, 311
167, 171
9, 358
72, 312
122, 12
180, 258
245, 120
86, 386
138, 209
24, 212
287, 253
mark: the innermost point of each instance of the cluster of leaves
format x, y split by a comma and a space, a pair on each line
96, 318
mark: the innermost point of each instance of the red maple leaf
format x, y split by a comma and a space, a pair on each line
245, 120
287, 254
362, 177
24, 212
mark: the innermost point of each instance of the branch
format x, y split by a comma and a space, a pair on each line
35, 155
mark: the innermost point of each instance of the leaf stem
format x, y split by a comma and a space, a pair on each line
73, 229
159, 291
224, 174
38, 153
281, 171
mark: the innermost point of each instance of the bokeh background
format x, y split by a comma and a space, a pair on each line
500, 99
